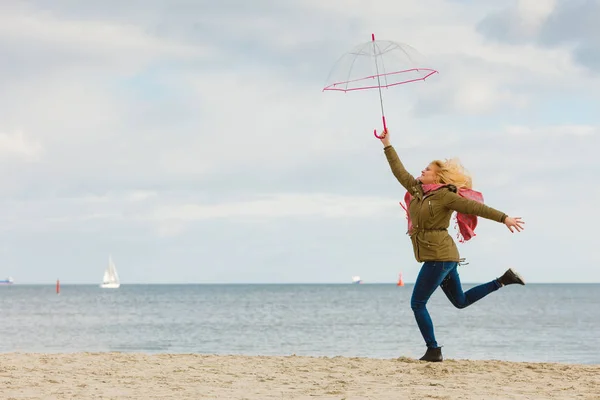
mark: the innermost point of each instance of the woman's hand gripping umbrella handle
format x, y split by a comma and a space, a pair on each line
384, 132
384, 137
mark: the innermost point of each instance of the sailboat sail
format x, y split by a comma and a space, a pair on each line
111, 277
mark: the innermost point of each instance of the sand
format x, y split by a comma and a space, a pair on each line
85, 376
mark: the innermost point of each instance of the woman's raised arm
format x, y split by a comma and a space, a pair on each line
404, 177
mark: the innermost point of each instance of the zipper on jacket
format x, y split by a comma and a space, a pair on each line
430, 208
419, 213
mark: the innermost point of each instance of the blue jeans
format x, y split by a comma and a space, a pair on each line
444, 274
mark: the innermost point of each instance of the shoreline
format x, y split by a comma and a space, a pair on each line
92, 375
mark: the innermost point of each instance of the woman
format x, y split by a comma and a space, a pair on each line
443, 188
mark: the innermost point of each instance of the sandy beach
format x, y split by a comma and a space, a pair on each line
85, 376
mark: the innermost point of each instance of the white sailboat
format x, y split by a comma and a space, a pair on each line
111, 278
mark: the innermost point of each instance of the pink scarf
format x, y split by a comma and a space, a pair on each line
466, 223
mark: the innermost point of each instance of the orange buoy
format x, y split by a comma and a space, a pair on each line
57, 286
400, 281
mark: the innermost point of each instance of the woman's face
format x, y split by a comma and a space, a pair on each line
428, 175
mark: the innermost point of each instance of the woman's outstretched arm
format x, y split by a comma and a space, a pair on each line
471, 207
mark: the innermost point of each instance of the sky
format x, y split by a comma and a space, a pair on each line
192, 141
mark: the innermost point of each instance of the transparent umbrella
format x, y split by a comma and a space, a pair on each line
377, 64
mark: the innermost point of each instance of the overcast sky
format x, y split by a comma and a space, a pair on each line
192, 141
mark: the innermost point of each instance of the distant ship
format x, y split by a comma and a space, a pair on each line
356, 279
7, 281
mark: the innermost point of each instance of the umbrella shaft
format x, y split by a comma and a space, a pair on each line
378, 83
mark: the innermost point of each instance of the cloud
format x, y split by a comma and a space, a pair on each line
172, 213
88, 42
161, 117
575, 23
132, 196
466, 88
518, 24
17, 145
553, 131
571, 25
324, 205
351, 191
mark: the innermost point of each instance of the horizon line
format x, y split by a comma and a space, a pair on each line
53, 283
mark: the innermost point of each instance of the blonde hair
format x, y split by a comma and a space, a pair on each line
451, 171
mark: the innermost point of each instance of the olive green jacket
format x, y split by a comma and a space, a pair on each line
430, 214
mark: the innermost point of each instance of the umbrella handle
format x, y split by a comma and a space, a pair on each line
376, 135
384, 130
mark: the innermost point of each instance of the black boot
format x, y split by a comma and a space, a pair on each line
433, 355
510, 277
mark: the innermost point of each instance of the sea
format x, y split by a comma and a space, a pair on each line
535, 323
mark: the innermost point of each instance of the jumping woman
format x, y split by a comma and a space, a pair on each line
442, 188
